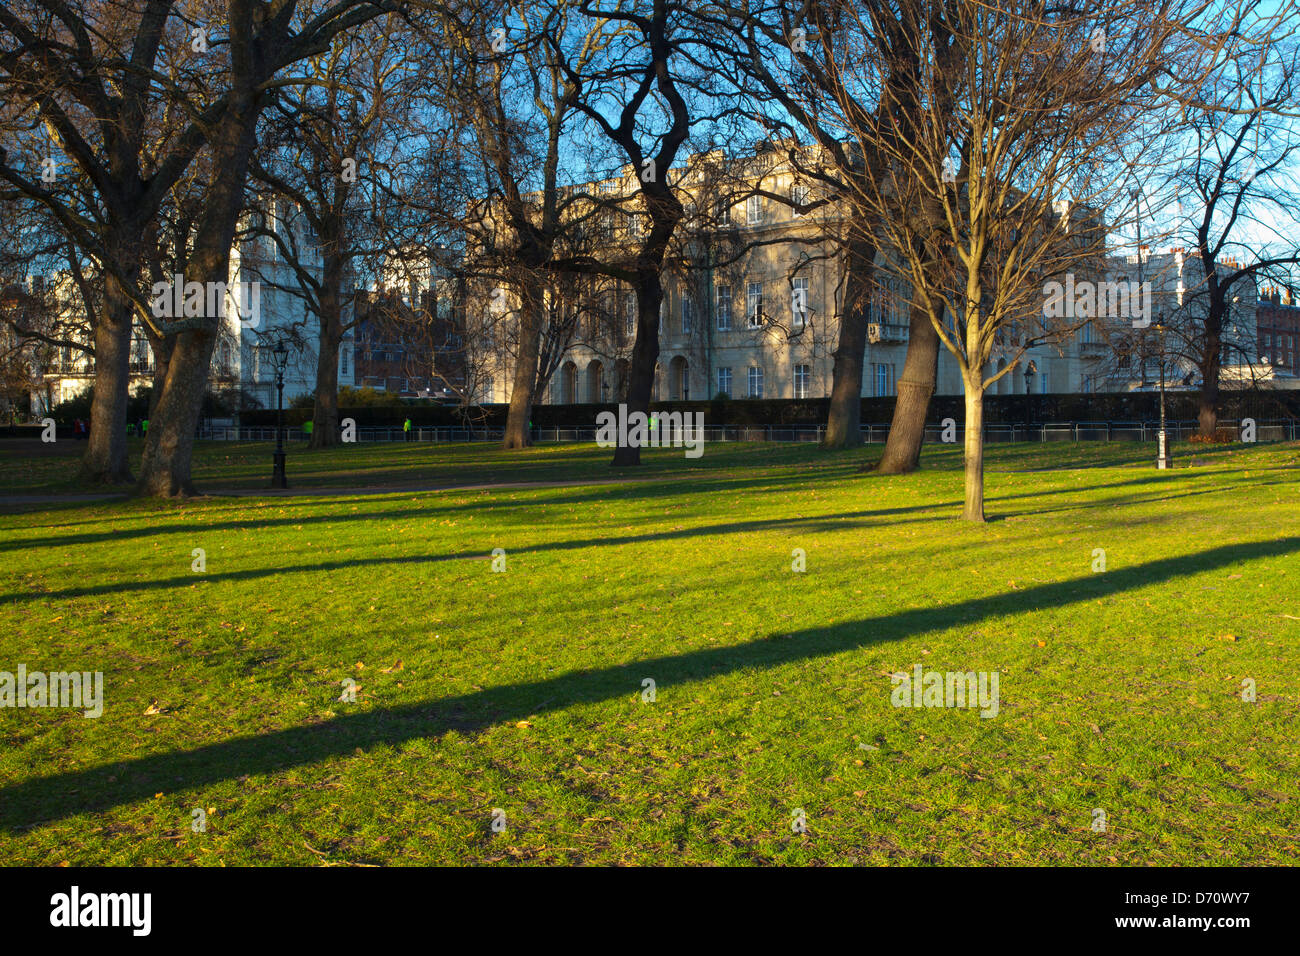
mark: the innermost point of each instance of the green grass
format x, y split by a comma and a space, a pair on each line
27, 468
1119, 690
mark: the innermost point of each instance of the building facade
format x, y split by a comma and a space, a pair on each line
1278, 321
753, 301
241, 361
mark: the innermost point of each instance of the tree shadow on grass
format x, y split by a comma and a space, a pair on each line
623, 494
810, 524
54, 797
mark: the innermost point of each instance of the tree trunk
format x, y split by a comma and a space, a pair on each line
162, 353
915, 389
974, 449
1207, 414
325, 415
105, 461
170, 443
645, 354
518, 434
844, 418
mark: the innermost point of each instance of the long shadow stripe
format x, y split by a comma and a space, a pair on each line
49, 798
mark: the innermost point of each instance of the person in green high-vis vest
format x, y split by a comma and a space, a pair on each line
407, 428
306, 429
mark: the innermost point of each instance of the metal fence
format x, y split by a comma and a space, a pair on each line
1276, 430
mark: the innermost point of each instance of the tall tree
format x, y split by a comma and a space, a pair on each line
321, 150
1228, 188
637, 97
1037, 99
516, 104
94, 75
263, 41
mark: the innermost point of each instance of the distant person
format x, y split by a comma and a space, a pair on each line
144, 427
407, 429
130, 429
306, 429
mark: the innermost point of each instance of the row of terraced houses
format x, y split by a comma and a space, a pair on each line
728, 325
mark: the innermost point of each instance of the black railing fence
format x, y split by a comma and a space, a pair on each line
1264, 431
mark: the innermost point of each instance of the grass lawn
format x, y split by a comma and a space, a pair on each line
522, 691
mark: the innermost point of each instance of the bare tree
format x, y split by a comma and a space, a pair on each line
511, 94
1022, 197
1229, 189
320, 152
638, 97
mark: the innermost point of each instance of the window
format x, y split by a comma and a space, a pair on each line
882, 375
724, 309
688, 314
798, 196
754, 307
1089, 384
724, 381
634, 225
629, 311
1042, 381
663, 315
754, 210
799, 303
344, 355
802, 375
1087, 333
724, 213
755, 382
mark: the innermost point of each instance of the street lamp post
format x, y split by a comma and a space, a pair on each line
1164, 457
280, 356
1030, 371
